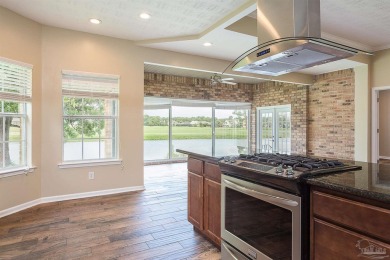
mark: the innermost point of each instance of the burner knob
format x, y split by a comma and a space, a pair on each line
279, 169
232, 159
289, 171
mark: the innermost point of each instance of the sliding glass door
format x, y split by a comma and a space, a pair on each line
191, 130
156, 134
231, 131
209, 128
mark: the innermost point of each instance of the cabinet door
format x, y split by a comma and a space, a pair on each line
195, 200
212, 211
336, 243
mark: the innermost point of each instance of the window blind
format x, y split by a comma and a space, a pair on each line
92, 85
15, 80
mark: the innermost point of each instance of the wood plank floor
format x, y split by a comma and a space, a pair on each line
150, 224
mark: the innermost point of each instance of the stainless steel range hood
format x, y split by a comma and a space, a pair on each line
289, 38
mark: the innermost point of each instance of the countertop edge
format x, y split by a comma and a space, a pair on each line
349, 190
203, 157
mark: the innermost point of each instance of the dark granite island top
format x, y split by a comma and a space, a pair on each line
372, 182
204, 157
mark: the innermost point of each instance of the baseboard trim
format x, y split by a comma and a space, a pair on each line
73, 196
19, 207
384, 157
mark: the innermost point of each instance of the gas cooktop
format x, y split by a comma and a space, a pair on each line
280, 170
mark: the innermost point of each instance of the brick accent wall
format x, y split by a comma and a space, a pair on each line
332, 115
277, 93
159, 85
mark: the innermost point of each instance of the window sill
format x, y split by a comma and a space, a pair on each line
78, 164
17, 171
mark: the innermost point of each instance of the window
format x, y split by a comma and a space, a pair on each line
205, 127
15, 96
90, 116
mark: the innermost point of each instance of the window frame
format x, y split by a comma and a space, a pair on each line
275, 131
90, 85
93, 117
22, 84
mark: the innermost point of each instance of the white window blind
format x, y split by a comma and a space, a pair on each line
80, 84
15, 80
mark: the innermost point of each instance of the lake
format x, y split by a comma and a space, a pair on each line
158, 149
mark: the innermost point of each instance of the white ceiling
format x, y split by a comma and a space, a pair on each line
184, 25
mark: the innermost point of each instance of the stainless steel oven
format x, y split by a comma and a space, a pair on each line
259, 222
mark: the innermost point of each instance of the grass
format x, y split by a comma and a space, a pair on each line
184, 132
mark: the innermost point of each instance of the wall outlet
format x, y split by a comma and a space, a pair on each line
91, 175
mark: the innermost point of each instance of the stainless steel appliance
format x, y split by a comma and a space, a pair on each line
289, 39
265, 205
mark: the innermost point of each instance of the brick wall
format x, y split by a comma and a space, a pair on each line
276, 93
331, 115
322, 115
159, 85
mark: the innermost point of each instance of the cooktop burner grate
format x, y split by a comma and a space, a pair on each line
299, 163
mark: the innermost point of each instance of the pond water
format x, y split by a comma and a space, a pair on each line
158, 149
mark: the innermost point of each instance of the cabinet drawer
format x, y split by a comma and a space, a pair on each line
333, 242
362, 217
195, 166
212, 171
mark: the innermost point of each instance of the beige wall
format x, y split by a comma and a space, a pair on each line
70, 50
21, 41
380, 69
384, 123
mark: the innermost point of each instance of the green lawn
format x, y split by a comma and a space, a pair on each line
185, 132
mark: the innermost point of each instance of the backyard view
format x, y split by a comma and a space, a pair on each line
12, 138
89, 128
192, 129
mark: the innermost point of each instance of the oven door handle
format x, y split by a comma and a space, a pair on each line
230, 252
260, 195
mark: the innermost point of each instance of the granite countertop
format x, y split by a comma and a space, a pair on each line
201, 156
372, 182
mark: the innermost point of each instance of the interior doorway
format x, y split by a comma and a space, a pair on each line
381, 124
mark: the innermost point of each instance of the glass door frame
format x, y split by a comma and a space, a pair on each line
213, 123
275, 123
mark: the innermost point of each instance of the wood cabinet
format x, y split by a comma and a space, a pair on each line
204, 198
212, 210
347, 227
195, 200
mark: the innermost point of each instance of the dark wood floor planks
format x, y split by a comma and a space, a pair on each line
150, 224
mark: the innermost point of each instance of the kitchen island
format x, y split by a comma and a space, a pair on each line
353, 209
204, 195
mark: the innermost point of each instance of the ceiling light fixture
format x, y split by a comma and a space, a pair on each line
95, 21
207, 44
145, 16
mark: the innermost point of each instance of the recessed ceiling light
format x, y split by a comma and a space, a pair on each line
145, 16
95, 21
207, 44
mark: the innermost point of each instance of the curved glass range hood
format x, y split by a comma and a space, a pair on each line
289, 38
